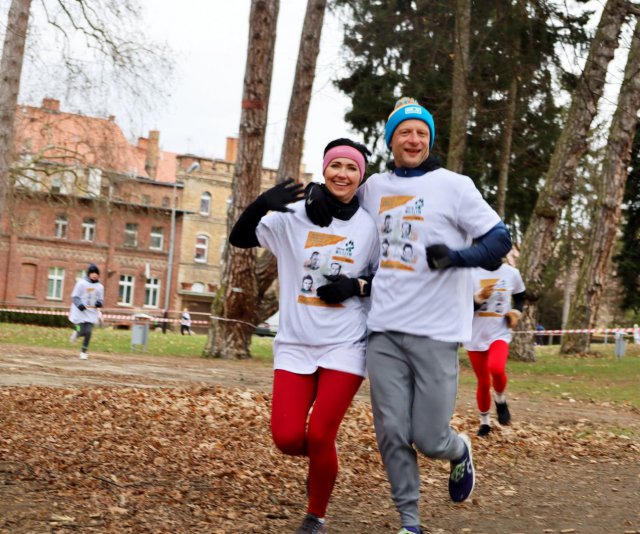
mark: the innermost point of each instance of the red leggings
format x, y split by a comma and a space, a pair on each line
489, 365
330, 393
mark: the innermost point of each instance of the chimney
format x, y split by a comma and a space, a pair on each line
51, 104
232, 149
153, 147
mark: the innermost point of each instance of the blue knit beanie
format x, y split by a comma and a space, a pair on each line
408, 108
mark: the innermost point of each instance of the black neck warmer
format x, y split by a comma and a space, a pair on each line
338, 209
430, 164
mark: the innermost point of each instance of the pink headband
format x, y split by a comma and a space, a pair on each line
344, 151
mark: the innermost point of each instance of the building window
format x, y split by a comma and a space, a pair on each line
157, 238
94, 182
60, 229
205, 204
152, 292
125, 290
81, 275
146, 200
62, 183
165, 202
202, 246
55, 283
89, 230
197, 287
131, 235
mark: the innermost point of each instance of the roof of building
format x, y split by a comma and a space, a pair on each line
93, 141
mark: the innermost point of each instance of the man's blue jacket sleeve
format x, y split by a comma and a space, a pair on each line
486, 252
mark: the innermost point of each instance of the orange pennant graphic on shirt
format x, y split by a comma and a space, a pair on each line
316, 239
388, 203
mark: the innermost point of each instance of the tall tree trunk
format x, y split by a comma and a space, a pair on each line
236, 301
293, 143
505, 149
460, 89
571, 146
10, 72
568, 264
595, 268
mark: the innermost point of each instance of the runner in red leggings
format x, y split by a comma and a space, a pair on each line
488, 349
323, 273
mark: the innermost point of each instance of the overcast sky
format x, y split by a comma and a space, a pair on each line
210, 39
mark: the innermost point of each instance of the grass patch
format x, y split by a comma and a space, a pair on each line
601, 379
119, 341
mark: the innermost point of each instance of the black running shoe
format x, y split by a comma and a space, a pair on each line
504, 417
311, 525
484, 430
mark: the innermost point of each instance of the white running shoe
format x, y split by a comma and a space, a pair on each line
84, 356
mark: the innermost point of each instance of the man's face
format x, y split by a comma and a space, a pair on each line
94, 276
335, 268
410, 143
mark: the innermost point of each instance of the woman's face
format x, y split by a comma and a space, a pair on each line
342, 178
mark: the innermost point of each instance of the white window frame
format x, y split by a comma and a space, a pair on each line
89, 229
130, 232
61, 227
81, 275
205, 200
55, 283
126, 286
152, 293
204, 247
155, 235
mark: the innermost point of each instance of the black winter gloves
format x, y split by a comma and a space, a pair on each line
82, 307
339, 288
277, 198
438, 257
99, 304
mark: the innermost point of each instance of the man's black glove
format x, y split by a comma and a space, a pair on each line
438, 257
339, 288
277, 198
82, 307
99, 304
317, 204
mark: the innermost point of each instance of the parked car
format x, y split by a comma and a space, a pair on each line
265, 330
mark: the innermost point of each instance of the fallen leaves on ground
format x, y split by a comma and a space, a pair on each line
186, 460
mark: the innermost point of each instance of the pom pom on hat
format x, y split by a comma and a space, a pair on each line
408, 108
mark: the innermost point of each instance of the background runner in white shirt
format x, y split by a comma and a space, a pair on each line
488, 348
87, 298
324, 276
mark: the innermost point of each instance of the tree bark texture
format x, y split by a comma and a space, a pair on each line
293, 142
571, 146
237, 298
10, 73
596, 267
505, 149
460, 89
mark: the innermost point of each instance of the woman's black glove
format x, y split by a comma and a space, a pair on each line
339, 288
317, 204
82, 307
277, 198
99, 304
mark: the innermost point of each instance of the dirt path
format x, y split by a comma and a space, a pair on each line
561, 467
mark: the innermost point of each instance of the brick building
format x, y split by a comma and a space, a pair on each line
206, 197
82, 193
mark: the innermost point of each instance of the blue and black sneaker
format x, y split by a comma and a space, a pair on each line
504, 417
462, 478
410, 530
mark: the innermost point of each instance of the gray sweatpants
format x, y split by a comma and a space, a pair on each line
414, 382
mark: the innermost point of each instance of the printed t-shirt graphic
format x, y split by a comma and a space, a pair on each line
328, 253
489, 323
441, 207
399, 213
305, 254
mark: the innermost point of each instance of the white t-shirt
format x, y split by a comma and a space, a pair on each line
489, 324
89, 294
305, 253
440, 207
185, 320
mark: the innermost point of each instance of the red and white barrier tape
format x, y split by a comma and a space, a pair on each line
123, 317
576, 331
